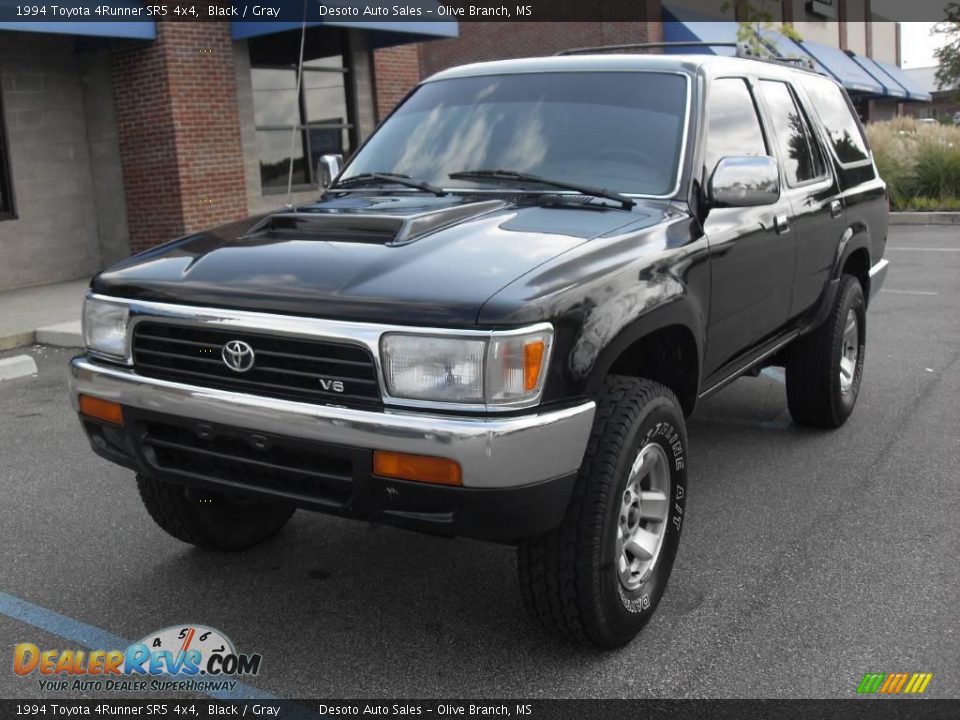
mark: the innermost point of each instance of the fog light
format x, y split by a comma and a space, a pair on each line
421, 468
100, 409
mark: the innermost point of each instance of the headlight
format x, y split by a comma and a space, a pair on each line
105, 327
495, 369
433, 368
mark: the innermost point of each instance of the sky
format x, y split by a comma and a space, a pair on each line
917, 44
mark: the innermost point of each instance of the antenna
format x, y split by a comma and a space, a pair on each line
295, 129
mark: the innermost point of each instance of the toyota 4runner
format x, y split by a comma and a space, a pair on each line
495, 319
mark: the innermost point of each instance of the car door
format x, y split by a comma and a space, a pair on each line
752, 254
861, 199
817, 213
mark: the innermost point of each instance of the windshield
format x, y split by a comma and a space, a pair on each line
618, 130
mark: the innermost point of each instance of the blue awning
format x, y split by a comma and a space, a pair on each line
890, 86
719, 32
135, 30
914, 91
382, 34
781, 45
683, 25
842, 67
350, 14
855, 73
130, 21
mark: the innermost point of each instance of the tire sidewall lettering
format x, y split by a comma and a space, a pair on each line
665, 434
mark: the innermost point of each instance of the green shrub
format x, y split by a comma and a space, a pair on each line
894, 150
928, 204
937, 170
919, 162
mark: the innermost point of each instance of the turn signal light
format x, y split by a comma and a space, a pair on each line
421, 468
100, 409
532, 362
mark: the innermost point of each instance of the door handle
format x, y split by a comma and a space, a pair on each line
782, 224
836, 208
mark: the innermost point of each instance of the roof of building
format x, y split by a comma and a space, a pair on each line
926, 77
858, 74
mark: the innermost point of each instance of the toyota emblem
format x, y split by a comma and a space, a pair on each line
238, 356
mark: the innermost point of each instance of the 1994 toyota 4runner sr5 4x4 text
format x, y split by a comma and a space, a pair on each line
495, 319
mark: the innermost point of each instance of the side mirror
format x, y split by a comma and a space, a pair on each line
328, 167
745, 181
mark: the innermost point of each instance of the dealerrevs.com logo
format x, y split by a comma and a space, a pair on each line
180, 657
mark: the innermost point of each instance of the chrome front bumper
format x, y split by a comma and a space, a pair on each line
493, 452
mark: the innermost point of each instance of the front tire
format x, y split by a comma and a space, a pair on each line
598, 578
211, 520
825, 368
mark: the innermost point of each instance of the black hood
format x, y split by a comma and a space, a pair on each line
406, 259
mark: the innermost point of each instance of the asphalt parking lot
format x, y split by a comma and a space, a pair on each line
808, 558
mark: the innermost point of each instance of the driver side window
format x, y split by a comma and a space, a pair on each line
733, 127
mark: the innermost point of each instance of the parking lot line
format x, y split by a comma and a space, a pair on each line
908, 292
96, 638
913, 249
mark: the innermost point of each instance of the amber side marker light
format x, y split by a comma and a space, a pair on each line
532, 361
420, 468
100, 409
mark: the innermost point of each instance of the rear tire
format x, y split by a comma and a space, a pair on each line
581, 580
825, 368
211, 520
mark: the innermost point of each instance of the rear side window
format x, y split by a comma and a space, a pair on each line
800, 156
733, 127
838, 119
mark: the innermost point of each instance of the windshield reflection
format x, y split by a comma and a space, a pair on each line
618, 130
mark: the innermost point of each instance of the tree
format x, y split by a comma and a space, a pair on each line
948, 56
754, 22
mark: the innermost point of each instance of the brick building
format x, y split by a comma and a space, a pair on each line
136, 133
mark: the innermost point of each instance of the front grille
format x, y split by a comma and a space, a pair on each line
287, 368
260, 462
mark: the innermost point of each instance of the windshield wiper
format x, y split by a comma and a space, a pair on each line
514, 176
398, 178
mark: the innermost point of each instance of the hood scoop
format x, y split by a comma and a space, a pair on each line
365, 226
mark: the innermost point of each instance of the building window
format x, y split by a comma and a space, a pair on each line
322, 114
6, 182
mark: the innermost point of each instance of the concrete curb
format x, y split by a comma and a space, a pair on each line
925, 218
17, 366
9, 342
66, 334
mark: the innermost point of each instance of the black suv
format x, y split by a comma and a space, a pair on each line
495, 319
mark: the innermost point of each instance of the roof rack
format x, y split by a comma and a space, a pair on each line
804, 63
645, 46
742, 51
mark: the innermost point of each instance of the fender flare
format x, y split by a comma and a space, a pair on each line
855, 237
679, 310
